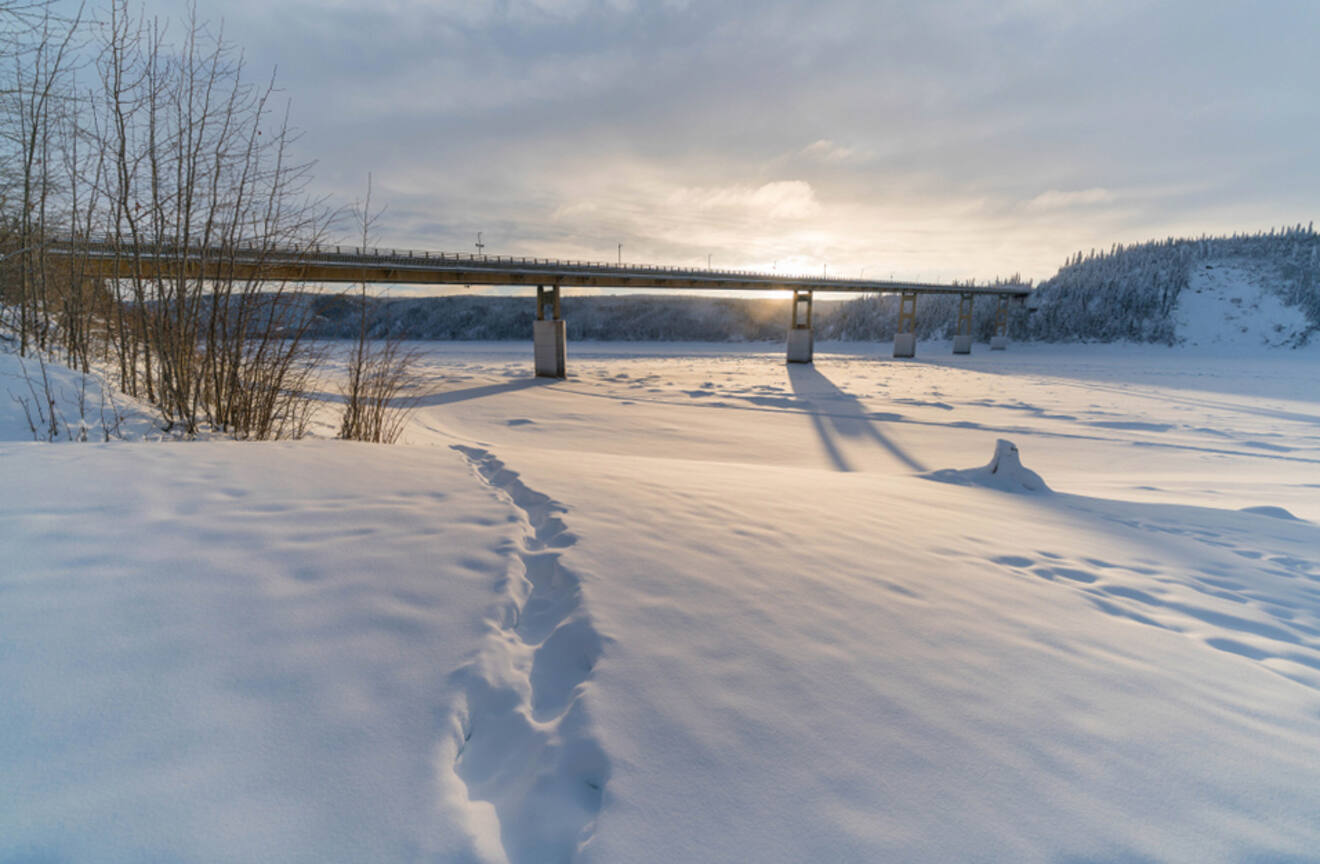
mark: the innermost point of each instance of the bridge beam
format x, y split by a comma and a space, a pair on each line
999, 341
905, 338
549, 336
962, 341
801, 338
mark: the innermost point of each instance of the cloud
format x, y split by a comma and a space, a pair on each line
825, 150
1055, 199
678, 128
778, 200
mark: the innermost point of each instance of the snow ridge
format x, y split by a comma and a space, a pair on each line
528, 746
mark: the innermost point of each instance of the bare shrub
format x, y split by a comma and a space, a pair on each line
376, 404
149, 223
203, 200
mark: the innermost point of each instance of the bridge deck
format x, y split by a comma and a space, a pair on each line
335, 265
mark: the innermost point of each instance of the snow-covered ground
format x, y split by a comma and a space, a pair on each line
691, 604
42, 401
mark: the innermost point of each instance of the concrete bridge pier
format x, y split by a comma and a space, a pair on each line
999, 341
962, 342
549, 337
905, 339
801, 338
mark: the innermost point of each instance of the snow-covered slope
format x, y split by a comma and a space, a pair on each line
1228, 304
42, 401
688, 605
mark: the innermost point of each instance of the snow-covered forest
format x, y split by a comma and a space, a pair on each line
1130, 292
635, 318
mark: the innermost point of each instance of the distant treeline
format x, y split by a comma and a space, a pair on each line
636, 318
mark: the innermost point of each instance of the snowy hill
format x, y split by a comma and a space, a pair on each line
1230, 303
42, 401
1268, 283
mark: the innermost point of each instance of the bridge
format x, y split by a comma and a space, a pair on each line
338, 264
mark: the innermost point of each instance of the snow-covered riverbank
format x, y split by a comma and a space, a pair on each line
690, 604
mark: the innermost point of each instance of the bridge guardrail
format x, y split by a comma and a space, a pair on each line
320, 254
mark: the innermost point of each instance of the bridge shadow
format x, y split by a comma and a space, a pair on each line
448, 397
838, 415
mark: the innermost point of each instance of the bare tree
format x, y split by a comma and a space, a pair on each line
178, 170
205, 197
42, 51
379, 375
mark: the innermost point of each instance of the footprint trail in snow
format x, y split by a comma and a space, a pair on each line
529, 747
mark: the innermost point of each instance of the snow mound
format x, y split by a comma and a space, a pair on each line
1271, 511
1005, 472
1228, 303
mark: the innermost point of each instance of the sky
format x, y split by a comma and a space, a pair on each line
918, 140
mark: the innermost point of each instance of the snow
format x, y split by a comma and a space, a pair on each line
690, 604
1227, 303
83, 409
1004, 472
234, 652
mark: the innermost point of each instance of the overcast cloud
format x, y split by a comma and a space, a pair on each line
929, 140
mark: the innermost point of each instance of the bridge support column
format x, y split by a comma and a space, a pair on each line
905, 339
549, 337
801, 338
962, 342
999, 341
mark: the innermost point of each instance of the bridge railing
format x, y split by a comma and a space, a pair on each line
351, 256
